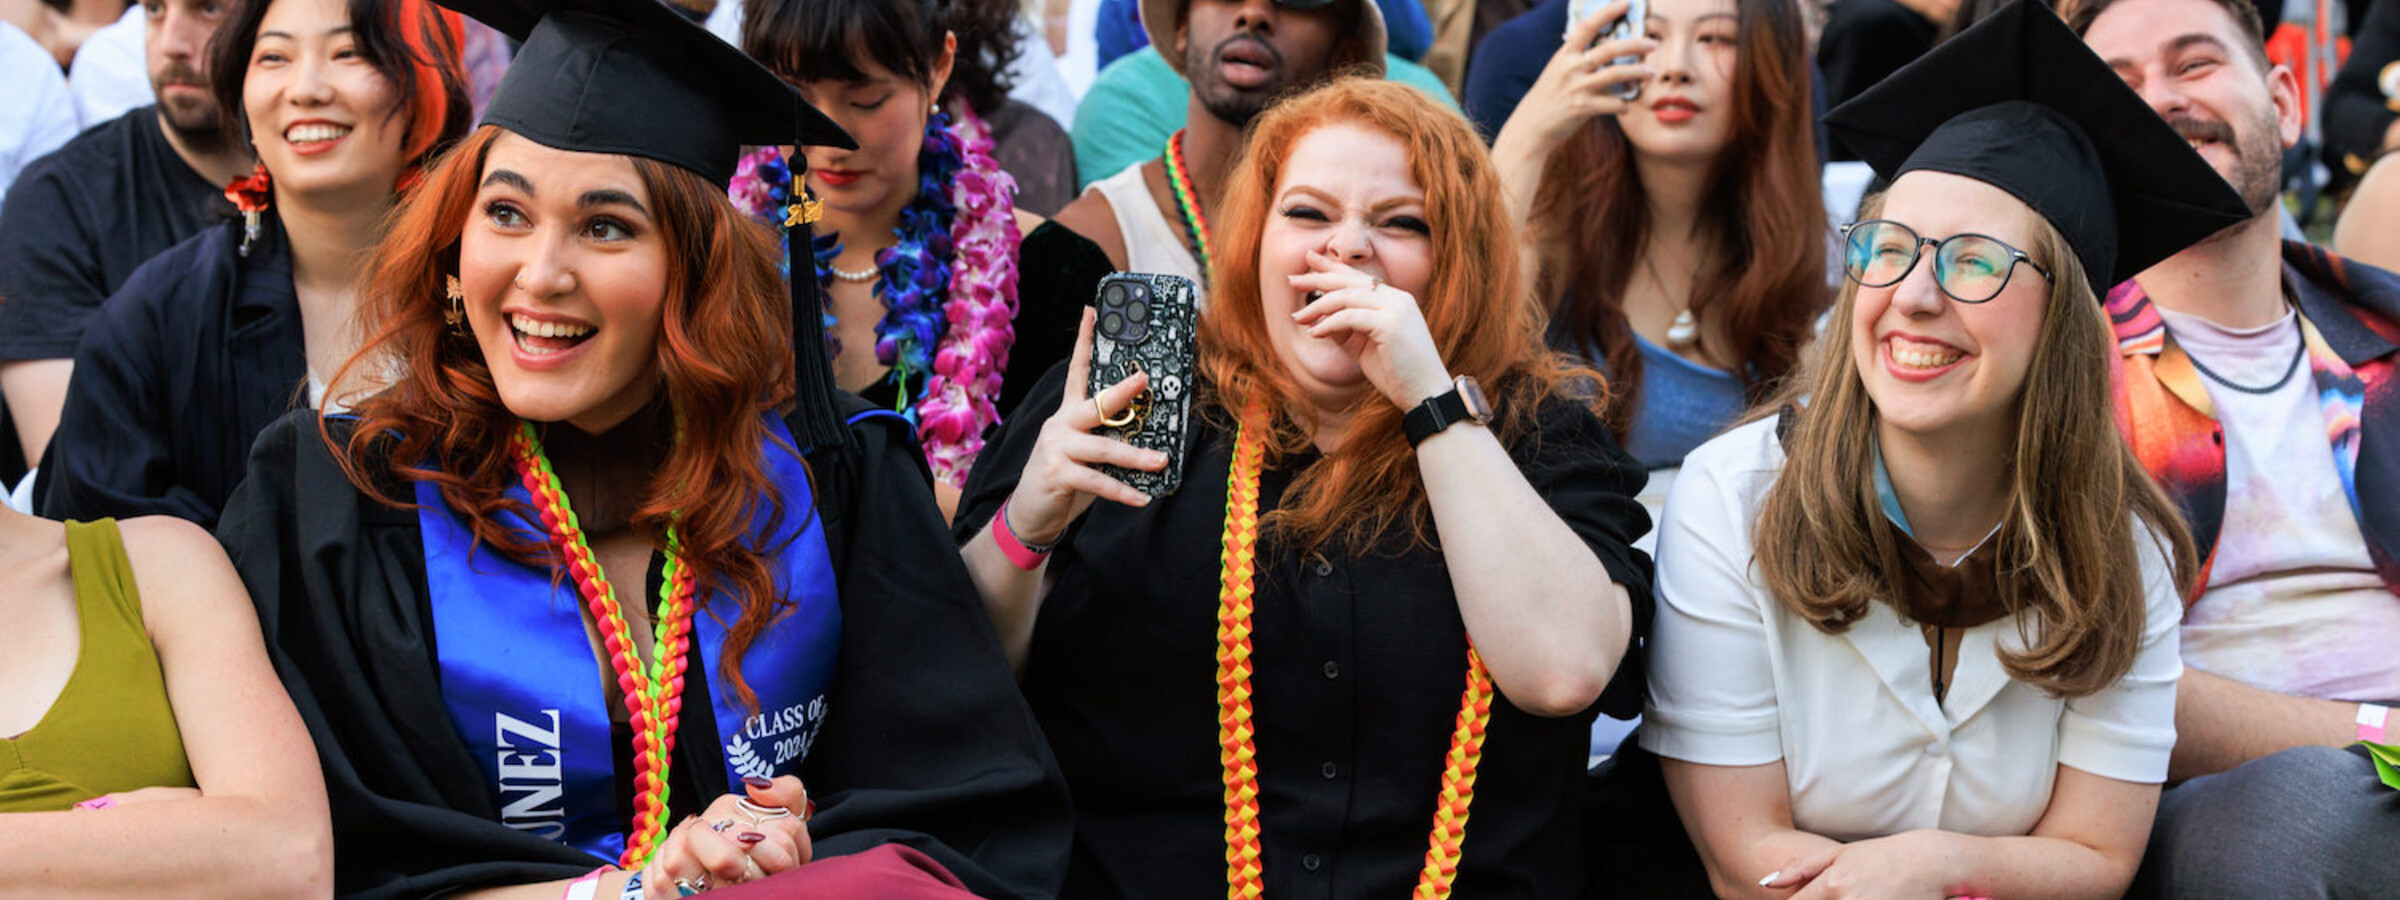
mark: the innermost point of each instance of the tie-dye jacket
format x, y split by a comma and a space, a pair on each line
2350, 318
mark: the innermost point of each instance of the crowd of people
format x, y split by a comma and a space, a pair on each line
2026, 494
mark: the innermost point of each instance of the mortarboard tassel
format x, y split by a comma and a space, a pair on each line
812, 373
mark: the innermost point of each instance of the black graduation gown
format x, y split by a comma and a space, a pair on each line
927, 741
182, 368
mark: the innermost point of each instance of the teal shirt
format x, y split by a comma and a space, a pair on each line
1138, 101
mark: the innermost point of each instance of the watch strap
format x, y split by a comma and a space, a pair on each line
1434, 416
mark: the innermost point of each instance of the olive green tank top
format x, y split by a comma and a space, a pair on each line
111, 729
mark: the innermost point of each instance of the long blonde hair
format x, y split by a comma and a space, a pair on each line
1825, 549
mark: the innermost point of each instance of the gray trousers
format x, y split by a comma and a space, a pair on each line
2310, 822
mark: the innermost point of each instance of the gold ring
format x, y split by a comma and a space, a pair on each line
1120, 420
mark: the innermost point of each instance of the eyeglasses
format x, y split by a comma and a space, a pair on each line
1971, 268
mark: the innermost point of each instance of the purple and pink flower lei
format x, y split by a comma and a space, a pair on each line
949, 293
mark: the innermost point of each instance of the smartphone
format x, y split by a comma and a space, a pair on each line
1634, 25
1147, 323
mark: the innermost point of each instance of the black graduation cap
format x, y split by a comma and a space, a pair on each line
2018, 102
637, 78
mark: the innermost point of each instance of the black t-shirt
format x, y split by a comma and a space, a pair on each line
78, 222
1358, 660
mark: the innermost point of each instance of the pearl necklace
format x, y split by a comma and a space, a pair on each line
861, 276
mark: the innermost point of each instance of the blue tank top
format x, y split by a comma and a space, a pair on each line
1682, 404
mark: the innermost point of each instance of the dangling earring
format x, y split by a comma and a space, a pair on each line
456, 314
250, 195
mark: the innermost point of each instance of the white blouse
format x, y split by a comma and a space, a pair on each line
1737, 680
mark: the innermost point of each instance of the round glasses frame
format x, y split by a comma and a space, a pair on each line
1852, 268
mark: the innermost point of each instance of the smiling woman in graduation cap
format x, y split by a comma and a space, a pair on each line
1916, 630
591, 400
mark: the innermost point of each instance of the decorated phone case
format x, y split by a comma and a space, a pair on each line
1147, 323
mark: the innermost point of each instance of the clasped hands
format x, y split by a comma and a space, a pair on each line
741, 837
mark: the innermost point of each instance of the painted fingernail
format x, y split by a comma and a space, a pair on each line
757, 782
1770, 879
750, 837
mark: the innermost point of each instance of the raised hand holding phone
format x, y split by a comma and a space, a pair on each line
1597, 71
1061, 476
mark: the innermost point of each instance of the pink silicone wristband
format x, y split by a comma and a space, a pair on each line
2371, 721
1018, 554
97, 803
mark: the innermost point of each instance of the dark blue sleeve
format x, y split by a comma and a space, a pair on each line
1408, 33
114, 453
1120, 31
1507, 62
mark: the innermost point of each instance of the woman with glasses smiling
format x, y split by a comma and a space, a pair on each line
1916, 630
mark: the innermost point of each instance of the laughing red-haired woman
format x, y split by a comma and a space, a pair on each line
593, 400
1368, 272
1679, 236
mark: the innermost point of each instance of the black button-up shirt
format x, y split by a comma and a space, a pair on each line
1359, 663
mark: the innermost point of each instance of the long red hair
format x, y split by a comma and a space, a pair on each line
724, 357
1476, 307
1764, 209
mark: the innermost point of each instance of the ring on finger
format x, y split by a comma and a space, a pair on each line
687, 887
764, 813
1374, 284
720, 825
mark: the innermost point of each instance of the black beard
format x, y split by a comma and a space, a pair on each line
206, 136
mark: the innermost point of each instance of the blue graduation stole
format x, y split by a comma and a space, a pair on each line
523, 688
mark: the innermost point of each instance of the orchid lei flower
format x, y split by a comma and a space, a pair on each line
949, 286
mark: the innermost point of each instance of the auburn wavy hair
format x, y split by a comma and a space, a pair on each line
1825, 549
724, 358
1764, 212
1476, 307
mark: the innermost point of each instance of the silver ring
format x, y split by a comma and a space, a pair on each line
696, 885
720, 825
1374, 284
761, 813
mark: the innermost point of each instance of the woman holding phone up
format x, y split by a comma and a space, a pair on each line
1676, 236
1282, 642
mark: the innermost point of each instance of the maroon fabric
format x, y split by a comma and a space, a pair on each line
888, 872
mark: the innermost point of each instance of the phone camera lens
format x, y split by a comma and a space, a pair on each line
1112, 324
1137, 311
1113, 296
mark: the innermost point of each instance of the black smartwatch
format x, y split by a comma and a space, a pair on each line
1462, 403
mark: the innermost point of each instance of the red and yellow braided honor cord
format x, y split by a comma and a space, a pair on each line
1235, 737
653, 696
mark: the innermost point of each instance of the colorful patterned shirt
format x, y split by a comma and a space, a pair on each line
2349, 320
